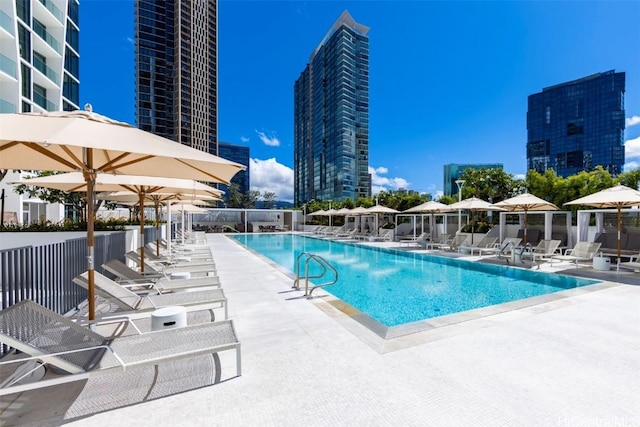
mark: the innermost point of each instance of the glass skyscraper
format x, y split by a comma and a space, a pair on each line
578, 125
176, 70
239, 154
39, 55
331, 117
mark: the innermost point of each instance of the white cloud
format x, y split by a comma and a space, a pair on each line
270, 140
632, 121
632, 148
244, 139
380, 183
269, 175
520, 176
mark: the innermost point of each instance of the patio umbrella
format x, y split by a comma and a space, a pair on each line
379, 209
358, 211
473, 205
526, 202
139, 186
131, 198
429, 207
615, 197
93, 144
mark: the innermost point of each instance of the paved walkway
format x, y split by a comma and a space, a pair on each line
568, 362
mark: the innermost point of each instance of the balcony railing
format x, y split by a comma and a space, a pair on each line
42, 101
40, 30
54, 10
41, 66
7, 66
7, 107
6, 22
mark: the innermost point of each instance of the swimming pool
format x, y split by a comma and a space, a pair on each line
397, 287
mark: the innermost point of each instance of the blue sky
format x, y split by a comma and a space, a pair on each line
448, 80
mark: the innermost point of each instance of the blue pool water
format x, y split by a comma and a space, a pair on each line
395, 287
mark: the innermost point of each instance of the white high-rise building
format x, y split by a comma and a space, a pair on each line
39, 71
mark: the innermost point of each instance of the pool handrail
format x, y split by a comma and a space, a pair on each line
322, 263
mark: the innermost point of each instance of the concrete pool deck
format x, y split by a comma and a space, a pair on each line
573, 361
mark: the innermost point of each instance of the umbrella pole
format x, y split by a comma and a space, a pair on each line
141, 194
619, 233
525, 228
473, 226
90, 178
157, 206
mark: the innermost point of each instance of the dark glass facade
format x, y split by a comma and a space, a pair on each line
239, 154
176, 70
331, 117
578, 125
453, 171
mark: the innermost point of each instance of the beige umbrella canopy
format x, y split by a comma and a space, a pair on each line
430, 207
129, 198
359, 211
69, 141
141, 187
615, 197
473, 205
526, 202
379, 209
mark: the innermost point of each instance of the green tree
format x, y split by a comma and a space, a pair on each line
268, 199
234, 196
630, 178
493, 185
250, 199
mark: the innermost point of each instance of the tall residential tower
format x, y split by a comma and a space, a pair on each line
39, 55
176, 70
331, 117
39, 71
578, 125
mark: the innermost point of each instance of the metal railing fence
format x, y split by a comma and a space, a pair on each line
45, 273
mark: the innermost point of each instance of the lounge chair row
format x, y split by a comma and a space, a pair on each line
48, 338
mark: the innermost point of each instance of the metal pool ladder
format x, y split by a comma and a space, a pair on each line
308, 257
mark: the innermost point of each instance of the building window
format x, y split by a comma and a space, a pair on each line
548, 115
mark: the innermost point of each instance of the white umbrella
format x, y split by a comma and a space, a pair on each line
130, 198
615, 197
430, 207
526, 202
141, 186
379, 209
83, 141
473, 204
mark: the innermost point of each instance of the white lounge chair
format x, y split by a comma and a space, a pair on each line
543, 251
206, 269
131, 303
419, 241
454, 244
508, 244
125, 274
439, 242
582, 251
487, 242
56, 340
634, 264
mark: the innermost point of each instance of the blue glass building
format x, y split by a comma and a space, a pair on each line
578, 125
177, 70
331, 117
239, 154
